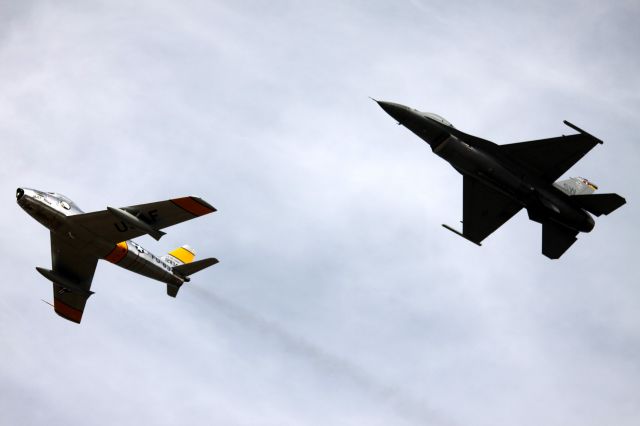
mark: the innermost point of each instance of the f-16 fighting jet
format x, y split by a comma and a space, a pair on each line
79, 239
499, 180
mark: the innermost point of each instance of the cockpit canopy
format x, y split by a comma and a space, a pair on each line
65, 201
437, 118
60, 196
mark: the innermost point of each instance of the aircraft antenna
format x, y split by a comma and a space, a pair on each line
48, 303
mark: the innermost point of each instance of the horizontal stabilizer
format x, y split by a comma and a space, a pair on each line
556, 239
599, 204
193, 267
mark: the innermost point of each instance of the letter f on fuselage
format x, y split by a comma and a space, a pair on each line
499, 180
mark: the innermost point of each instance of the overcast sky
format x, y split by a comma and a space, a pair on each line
339, 299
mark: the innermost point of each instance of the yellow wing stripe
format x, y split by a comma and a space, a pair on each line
183, 255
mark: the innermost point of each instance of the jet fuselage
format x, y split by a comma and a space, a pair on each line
542, 200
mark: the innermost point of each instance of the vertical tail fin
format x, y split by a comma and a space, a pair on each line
181, 260
180, 256
576, 186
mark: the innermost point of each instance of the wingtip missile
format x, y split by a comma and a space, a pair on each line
579, 130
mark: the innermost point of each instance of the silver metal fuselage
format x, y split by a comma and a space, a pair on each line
542, 200
54, 211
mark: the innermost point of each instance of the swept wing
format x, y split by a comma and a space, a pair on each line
158, 215
72, 274
550, 158
483, 210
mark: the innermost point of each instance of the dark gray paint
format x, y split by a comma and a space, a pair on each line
500, 180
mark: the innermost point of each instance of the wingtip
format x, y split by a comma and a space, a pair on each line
206, 204
194, 205
445, 226
584, 132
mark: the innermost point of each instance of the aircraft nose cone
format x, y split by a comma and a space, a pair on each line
402, 114
19, 193
397, 111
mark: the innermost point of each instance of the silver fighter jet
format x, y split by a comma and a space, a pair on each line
79, 239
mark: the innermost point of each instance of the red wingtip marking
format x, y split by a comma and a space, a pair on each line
66, 311
192, 206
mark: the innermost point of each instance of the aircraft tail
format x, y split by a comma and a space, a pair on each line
599, 204
183, 265
576, 186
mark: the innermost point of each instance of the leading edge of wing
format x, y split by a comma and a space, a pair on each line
550, 158
157, 215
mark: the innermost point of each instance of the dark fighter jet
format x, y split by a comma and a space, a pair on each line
499, 180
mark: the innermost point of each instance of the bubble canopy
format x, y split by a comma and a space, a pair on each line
437, 118
68, 200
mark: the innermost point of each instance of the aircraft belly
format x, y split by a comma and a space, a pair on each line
554, 206
156, 273
448, 148
131, 256
472, 162
45, 215
81, 240
475, 163
131, 261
